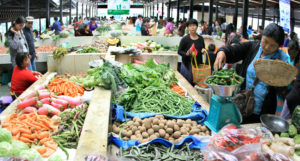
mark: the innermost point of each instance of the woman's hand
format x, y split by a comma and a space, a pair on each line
36, 73
220, 60
188, 53
203, 51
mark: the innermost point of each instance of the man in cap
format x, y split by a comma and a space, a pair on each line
27, 30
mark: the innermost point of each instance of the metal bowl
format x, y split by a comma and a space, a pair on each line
274, 123
224, 91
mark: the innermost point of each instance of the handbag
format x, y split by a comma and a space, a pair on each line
244, 100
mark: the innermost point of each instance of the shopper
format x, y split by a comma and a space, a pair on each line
268, 48
36, 34
138, 23
182, 28
145, 27
232, 37
56, 26
258, 35
217, 28
184, 49
16, 39
294, 52
27, 30
86, 20
22, 78
93, 24
160, 24
204, 29
170, 27
84, 31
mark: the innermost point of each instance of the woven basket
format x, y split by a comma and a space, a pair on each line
275, 72
200, 74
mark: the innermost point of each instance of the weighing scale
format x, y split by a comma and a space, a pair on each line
222, 111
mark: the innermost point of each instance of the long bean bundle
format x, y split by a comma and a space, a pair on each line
160, 100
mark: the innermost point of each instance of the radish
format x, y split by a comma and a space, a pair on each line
42, 91
58, 106
39, 104
46, 100
29, 109
43, 111
44, 95
52, 110
61, 102
72, 101
28, 102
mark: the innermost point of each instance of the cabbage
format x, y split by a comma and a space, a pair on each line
5, 149
17, 147
5, 135
55, 158
30, 154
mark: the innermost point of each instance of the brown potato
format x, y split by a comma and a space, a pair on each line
150, 131
162, 133
129, 133
156, 134
136, 124
170, 124
133, 129
167, 136
183, 131
155, 121
194, 123
176, 127
180, 122
133, 137
145, 135
147, 123
135, 118
125, 138
169, 131
152, 137
129, 123
177, 134
161, 125
203, 128
137, 132
115, 129
155, 128
142, 129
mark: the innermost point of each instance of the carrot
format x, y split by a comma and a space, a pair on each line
51, 145
15, 131
42, 150
43, 135
32, 136
25, 140
26, 131
45, 122
48, 153
45, 140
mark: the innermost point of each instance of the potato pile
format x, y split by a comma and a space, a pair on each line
158, 127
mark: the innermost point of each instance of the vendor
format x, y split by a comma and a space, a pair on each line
293, 51
169, 27
22, 78
84, 31
93, 24
267, 48
185, 46
145, 27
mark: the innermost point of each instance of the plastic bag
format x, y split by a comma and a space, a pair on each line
231, 138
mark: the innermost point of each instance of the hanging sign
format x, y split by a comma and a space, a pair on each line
118, 7
285, 14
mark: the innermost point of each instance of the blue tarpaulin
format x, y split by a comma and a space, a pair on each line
198, 114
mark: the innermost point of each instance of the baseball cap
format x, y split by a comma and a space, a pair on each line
29, 19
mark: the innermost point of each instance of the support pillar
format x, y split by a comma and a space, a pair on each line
82, 7
157, 8
191, 9
77, 3
177, 18
86, 10
27, 7
40, 25
70, 12
60, 10
292, 21
162, 9
47, 13
236, 13
169, 9
264, 13
245, 18
202, 12
217, 11
210, 19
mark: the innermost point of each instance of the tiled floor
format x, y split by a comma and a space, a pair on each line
4, 90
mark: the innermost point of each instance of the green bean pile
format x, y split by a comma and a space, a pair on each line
160, 100
160, 152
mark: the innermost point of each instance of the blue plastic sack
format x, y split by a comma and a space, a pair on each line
198, 114
196, 144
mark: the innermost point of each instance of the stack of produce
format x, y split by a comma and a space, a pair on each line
88, 50
107, 76
100, 45
224, 77
176, 88
59, 52
44, 49
61, 86
69, 129
45, 103
3, 50
145, 130
160, 152
34, 130
103, 28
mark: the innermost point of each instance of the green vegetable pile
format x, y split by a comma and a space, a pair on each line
88, 50
160, 152
225, 77
103, 28
154, 99
107, 76
59, 52
16, 148
69, 129
141, 76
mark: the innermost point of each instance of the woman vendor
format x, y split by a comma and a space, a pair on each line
22, 78
84, 31
145, 27
185, 46
268, 48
